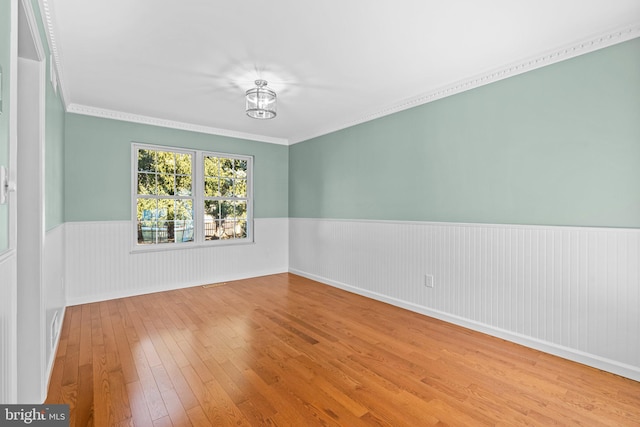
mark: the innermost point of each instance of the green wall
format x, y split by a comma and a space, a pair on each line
54, 128
98, 166
5, 64
559, 145
54, 160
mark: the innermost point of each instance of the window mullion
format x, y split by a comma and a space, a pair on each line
198, 196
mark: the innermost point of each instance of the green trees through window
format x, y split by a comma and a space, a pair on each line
175, 206
225, 198
165, 197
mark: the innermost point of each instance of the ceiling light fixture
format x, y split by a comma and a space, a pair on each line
261, 101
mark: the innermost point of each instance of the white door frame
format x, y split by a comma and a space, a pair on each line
8, 264
30, 126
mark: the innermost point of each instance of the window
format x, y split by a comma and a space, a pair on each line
164, 203
225, 197
183, 198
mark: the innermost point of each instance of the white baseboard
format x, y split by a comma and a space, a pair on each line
568, 291
101, 266
550, 348
153, 289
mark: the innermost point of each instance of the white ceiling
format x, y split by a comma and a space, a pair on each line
333, 63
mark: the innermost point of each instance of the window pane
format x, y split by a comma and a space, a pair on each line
183, 185
164, 224
183, 164
211, 166
241, 229
154, 234
184, 210
229, 230
212, 209
165, 162
147, 220
226, 167
225, 230
211, 187
240, 189
210, 228
146, 183
240, 167
241, 210
226, 187
226, 210
183, 231
166, 185
165, 210
146, 209
147, 234
146, 160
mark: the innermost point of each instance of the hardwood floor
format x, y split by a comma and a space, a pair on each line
284, 350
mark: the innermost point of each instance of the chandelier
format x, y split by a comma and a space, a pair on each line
261, 101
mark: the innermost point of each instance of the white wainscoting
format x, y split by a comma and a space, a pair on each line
569, 291
100, 265
53, 295
8, 344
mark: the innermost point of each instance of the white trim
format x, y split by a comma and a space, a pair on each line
581, 47
54, 296
197, 198
49, 24
557, 350
145, 249
13, 211
13, 124
33, 29
34, 176
472, 224
106, 296
54, 352
53, 75
171, 124
42, 65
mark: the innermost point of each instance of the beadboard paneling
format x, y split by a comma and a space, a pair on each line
570, 291
100, 265
7, 328
53, 293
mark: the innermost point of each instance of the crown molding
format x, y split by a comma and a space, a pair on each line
49, 24
587, 45
146, 120
606, 39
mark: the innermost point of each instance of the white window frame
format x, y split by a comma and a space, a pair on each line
197, 179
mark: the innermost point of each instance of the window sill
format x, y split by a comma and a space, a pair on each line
139, 249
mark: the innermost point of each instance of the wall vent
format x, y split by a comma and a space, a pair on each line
54, 330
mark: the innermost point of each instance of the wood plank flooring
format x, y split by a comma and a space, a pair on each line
284, 350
